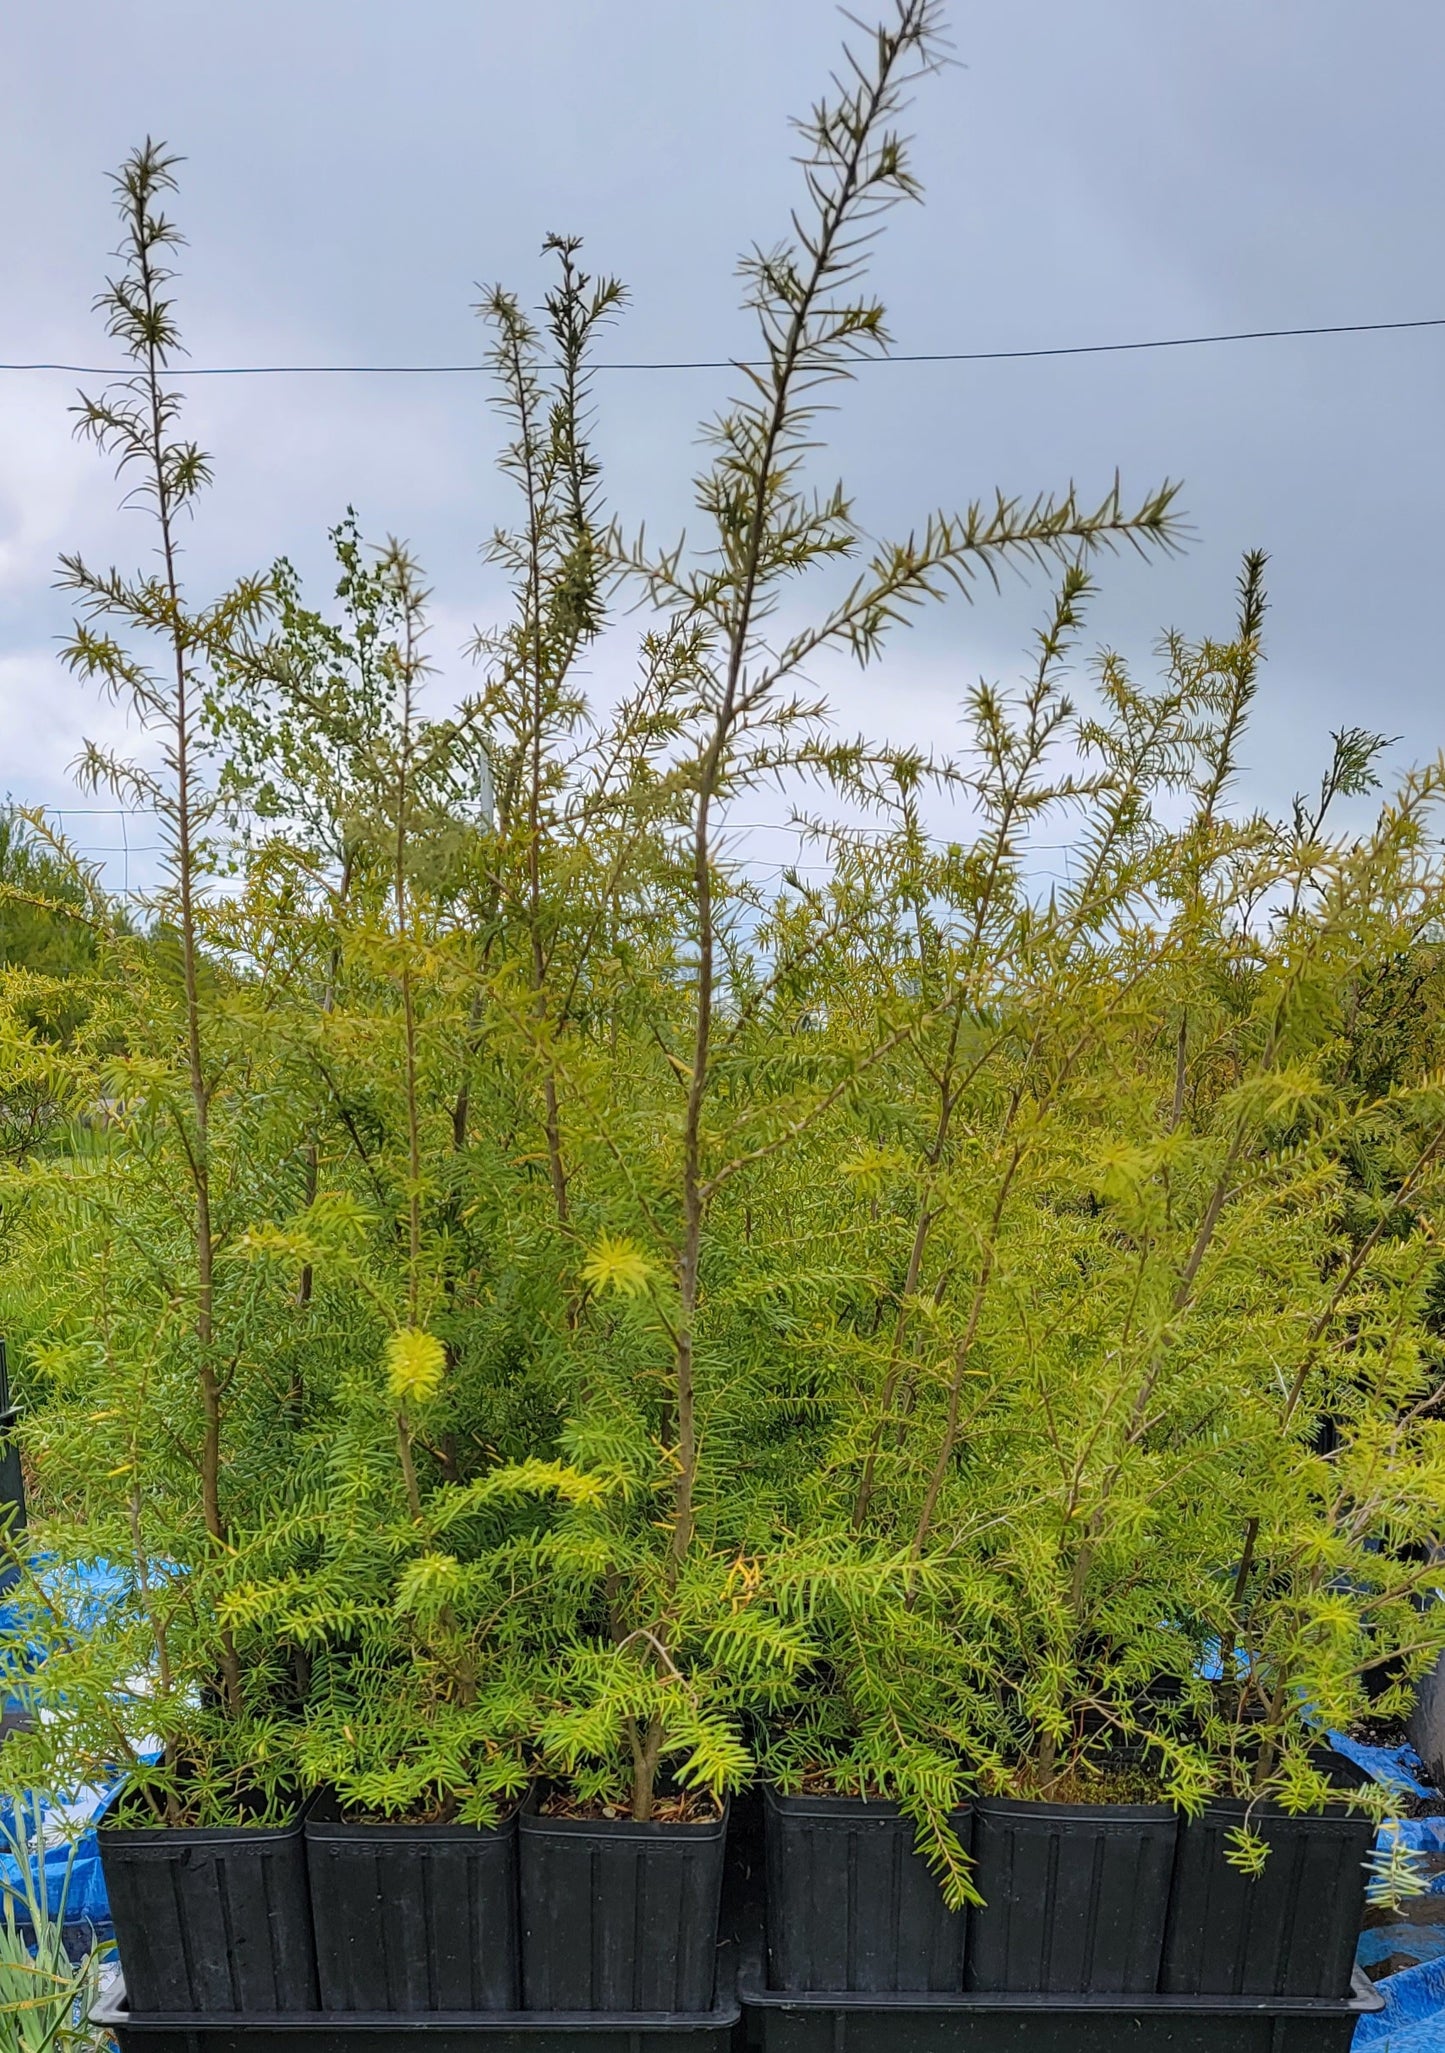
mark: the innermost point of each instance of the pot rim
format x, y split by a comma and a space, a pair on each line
875, 1810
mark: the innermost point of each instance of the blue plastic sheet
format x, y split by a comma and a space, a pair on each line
1397, 1767
1420, 2038
85, 1592
1413, 2019
55, 1835
1414, 1944
56, 1841
1211, 1661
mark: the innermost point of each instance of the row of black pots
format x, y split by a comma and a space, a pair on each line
552, 1914
576, 1915
1078, 1899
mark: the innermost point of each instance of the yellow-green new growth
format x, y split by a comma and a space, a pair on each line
617, 1264
416, 1366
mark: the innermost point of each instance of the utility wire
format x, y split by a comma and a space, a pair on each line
934, 356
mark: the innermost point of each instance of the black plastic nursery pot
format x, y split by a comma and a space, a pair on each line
412, 1918
14, 1716
12, 1475
12, 1480
780, 2021
1288, 1931
1075, 1896
851, 1903
211, 1920
619, 1916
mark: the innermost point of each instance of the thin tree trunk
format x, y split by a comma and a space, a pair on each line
198, 1152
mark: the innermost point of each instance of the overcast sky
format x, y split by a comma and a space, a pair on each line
1093, 172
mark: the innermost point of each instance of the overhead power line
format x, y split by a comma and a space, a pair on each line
924, 356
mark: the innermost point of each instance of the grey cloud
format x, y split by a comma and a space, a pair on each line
1093, 172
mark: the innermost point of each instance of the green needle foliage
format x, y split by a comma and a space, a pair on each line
522, 1300
681, 1654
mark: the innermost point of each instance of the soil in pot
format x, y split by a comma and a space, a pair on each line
851, 1903
1075, 1896
1288, 1931
209, 1919
616, 1915
412, 1917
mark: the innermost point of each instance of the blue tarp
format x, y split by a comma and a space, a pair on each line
57, 1841
1413, 2019
55, 1836
1397, 1767
84, 1593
